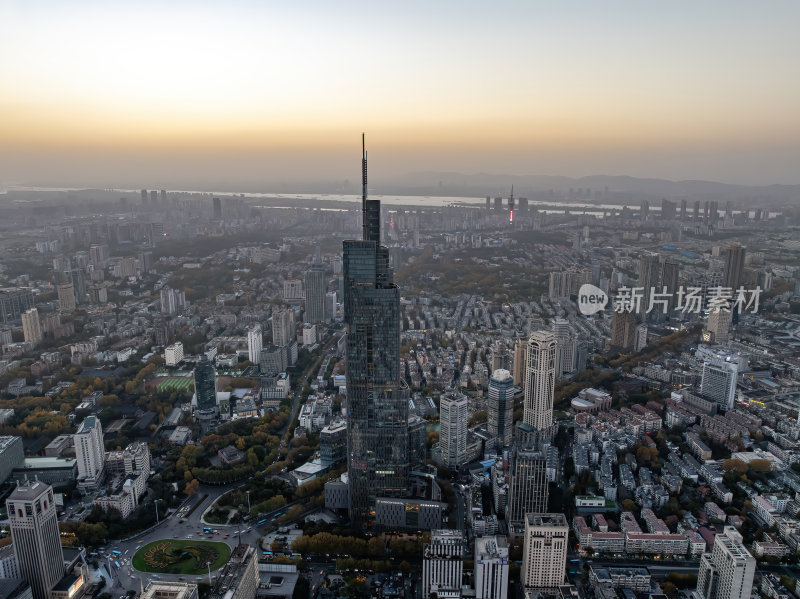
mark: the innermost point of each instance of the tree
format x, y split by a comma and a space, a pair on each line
735, 465
191, 487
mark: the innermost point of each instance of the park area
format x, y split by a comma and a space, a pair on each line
174, 556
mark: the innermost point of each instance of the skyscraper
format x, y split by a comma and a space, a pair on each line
205, 386
491, 567
544, 557
528, 488
66, 297
520, 361
254, 343
649, 275
377, 399
31, 326
719, 324
501, 406
315, 294
540, 380
623, 331
728, 571
718, 382
453, 429
443, 562
90, 454
734, 266
37, 542
283, 327
565, 347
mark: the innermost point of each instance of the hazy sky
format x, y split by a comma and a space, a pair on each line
178, 93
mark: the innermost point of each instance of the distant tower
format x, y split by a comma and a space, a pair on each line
163, 194
205, 386
520, 361
216, 205
719, 324
540, 380
144, 197
501, 406
315, 294
511, 206
37, 542
31, 326
623, 331
734, 266
66, 297
453, 429
254, 343
90, 454
649, 271
283, 327
154, 197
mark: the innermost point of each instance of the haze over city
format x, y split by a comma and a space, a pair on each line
245, 95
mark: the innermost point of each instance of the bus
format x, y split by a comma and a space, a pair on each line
207, 530
264, 521
116, 553
116, 564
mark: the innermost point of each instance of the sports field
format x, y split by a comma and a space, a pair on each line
178, 384
181, 556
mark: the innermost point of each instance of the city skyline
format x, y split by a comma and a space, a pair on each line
255, 94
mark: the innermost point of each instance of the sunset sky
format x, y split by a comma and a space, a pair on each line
185, 93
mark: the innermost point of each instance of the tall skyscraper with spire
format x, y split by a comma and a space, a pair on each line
377, 399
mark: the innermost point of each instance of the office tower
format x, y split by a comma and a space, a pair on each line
734, 266
254, 342
669, 283
377, 400
501, 406
544, 557
718, 382
315, 294
293, 291
169, 590
719, 324
239, 577
520, 361
443, 562
66, 297
272, 361
644, 211
640, 338
282, 327
153, 197
683, 209
90, 454
163, 195
216, 206
728, 571
565, 347
77, 277
144, 197
528, 488
13, 302
12, 455
668, 209
540, 380
205, 386
453, 429
31, 326
173, 301
37, 542
330, 306
491, 567
98, 255
697, 210
649, 275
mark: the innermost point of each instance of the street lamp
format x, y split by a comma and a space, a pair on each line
156, 504
208, 564
248, 502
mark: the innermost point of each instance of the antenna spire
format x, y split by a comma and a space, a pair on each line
363, 186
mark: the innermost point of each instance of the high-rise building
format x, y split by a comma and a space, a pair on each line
283, 329
254, 343
623, 331
205, 387
734, 266
31, 326
293, 291
491, 567
443, 562
501, 406
544, 557
90, 454
670, 270
13, 302
173, 301
330, 306
216, 206
565, 347
377, 399
728, 571
173, 354
315, 294
718, 382
520, 361
719, 324
66, 297
528, 488
37, 543
649, 276
560, 284
540, 380
453, 429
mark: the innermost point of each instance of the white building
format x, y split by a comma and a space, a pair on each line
173, 354
544, 558
31, 326
309, 334
453, 429
443, 562
719, 382
728, 571
540, 380
90, 454
254, 343
491, 568
282, 327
